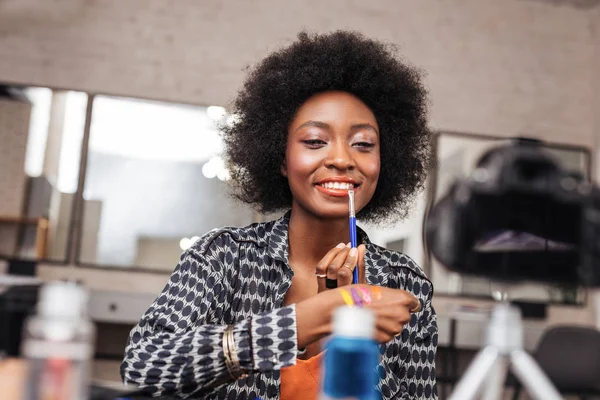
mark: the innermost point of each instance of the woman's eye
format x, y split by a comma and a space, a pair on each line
364, 145
314, 142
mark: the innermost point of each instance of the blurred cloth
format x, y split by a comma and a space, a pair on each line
302, 381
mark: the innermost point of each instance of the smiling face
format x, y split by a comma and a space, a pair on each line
332, 146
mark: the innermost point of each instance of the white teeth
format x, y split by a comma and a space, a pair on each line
338, 185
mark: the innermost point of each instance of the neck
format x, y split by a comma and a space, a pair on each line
310, 237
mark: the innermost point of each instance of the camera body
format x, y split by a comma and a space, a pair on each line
517, 217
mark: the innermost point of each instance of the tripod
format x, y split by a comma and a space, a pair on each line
504, 350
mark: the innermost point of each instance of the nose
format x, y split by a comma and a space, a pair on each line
339, 157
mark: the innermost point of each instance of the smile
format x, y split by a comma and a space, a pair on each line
337, 185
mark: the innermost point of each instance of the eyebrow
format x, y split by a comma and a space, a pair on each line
323, 125
357, 127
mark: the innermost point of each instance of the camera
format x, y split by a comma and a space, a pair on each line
519, 216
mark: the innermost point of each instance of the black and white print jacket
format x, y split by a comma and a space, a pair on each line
240, 276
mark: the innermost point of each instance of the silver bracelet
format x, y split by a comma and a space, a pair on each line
231, 358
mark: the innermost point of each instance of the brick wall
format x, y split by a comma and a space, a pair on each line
499, 67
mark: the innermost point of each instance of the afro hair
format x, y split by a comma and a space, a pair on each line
340, 61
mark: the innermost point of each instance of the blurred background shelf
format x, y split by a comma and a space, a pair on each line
20, 225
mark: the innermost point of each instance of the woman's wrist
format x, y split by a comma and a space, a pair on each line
314, 316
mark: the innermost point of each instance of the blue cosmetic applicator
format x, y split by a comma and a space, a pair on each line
353, 232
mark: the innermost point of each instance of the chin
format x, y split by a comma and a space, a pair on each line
332, 211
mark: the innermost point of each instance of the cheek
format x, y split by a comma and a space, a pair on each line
372, 170
300, 164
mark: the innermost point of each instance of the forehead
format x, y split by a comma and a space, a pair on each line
334, 106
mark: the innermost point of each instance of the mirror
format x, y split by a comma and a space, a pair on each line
39, 159
154, 182
153, 179
457, 154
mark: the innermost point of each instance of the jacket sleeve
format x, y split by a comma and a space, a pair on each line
175, 349
419, 366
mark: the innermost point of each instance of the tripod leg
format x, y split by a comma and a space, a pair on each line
468, 387
532, 377
494, 384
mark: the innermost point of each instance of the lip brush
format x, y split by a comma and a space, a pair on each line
353, 232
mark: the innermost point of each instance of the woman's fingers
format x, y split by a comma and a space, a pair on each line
390, 322
321, 270
415, 305
410, 301
386, 330
325, 261
393, 310
399, 297
346, 271
336, 263
390, 327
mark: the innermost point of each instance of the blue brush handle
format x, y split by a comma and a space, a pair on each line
353, 245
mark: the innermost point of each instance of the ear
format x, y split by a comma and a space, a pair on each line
283, 168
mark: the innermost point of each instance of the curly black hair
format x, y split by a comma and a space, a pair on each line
342, 61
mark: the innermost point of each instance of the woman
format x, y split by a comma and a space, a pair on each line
246, 310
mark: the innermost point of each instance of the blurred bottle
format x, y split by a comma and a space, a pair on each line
349, 370
58, 344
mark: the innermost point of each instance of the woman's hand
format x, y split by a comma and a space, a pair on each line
392, 309
338, 266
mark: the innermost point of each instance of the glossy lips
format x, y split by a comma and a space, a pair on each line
337, 186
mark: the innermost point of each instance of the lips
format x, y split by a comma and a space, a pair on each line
337, 186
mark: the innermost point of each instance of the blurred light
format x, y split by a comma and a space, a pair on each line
223, 174
217, 162
215, 167
215, 112
209, 170
186, 243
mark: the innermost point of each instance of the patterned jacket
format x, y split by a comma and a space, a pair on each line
240, 276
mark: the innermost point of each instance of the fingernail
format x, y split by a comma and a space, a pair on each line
341, 246
348, 245
353, 252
